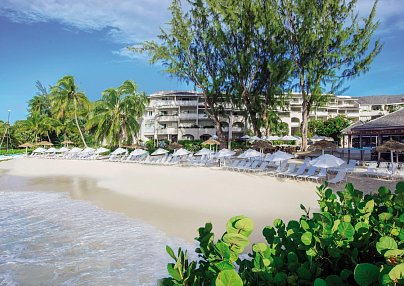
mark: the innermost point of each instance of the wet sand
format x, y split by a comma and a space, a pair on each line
176, 200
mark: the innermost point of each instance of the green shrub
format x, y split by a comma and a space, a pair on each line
191, 145
355, 239
12, 151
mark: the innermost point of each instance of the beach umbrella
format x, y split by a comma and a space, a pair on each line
263, 138
51, 150
203, 152
26, 146
255, 138
45, 143
262, 145
288, 138
181, 152
174, 146
159, 151
138, 152
280, 156
39, 150
101, 150
297, 138
132, 146
88, 150
327, 161
63, 150
119, 151
211, 142
75, 150
323, 145
392, 146
225, 153
67, 142
250, 153
245, 137
214, 137
273, 138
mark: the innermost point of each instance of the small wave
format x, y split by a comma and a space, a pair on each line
50, 239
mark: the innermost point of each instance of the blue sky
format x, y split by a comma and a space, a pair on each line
47, 39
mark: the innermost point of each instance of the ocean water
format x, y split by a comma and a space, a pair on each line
50, 239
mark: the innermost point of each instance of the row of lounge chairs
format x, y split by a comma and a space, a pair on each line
385, 170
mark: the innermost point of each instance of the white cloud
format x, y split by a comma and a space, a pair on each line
126, 21
388, 11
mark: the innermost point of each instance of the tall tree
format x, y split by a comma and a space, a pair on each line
328, 44
187, 51
255, 55
115, 118
41, 101
39, 125
67, 101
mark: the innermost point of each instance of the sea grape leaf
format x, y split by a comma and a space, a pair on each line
346, 230
397, 273
228, 278
386, 243
365, 274
245, 226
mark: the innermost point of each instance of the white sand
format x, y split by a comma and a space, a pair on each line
175, 199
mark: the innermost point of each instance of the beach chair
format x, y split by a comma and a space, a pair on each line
321, 175
290, 170
240, 163
350, 168
299, 171
312, 170
247, 164
252, 167
231, 165
281, 168
262, 167
341, 176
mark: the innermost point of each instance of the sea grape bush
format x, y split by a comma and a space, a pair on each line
355, 239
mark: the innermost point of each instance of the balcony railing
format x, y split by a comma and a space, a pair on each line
148, 130
169, 130
170, 103
168, 118
187, 116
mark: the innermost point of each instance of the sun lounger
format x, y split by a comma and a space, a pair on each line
281, 168
243, 167
299, 171
290, 170
312, 170
253, 166
341, 176
321, 175
262, 167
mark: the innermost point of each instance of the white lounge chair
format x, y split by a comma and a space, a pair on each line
299, 171
341, 176
281, 168
321, 175
262, 167
312, 170
290, 170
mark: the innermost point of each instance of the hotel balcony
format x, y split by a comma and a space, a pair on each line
190, 116
167, 118
173, 103
148, 130
169, 130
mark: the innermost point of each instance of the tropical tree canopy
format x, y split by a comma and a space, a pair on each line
68, 102
115, 118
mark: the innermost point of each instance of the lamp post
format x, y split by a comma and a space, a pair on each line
8, 126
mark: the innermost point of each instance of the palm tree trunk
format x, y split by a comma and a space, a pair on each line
77, 124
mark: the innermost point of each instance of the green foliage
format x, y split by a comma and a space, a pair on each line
191, 145
330, 128
355, 239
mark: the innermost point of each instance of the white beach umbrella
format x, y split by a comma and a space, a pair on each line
297, 138
255, 138
273, 138
138, 152
119, 151
280, 156
263, 138
51, 150
214, 137
203, 152
245, 137
75, 150
288, 138
225, 153
101, 150
39, 150
181, 152
88, 150
159, 151
327, 161
63, 150
250, 153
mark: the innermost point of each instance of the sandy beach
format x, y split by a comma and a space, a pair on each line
176, 200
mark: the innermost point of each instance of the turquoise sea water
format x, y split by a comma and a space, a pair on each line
50, 239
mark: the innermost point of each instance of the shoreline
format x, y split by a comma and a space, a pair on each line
176, 200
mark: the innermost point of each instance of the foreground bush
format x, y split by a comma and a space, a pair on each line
356, 239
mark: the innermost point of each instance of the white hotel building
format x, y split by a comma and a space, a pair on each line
180, 115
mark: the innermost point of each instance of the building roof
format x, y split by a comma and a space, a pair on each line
391, 120
348, 130
380, 99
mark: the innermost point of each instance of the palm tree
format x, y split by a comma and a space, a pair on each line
67, 99
115, 118
40, 102
39, 125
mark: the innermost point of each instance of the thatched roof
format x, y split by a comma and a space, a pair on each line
391, 145
211, 142
323, 145
174, 146
26, 145
45, 143
262, 145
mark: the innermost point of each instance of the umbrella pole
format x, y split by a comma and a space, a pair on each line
391, 157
